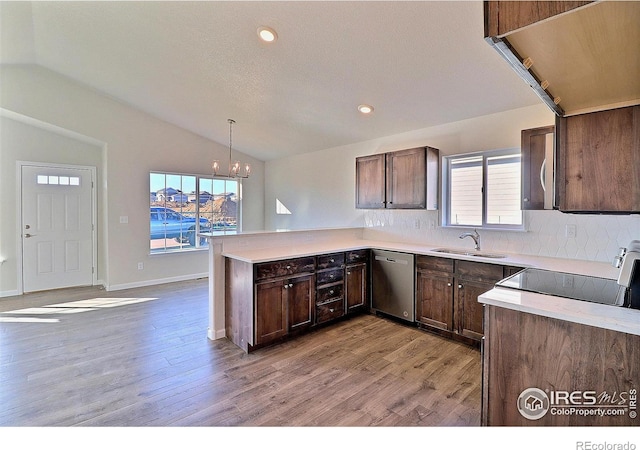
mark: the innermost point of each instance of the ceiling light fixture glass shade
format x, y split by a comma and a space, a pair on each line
365, 109
267, 34
236, 169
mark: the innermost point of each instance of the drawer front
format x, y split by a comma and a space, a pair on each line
284, 268
357, 256
330, 276
434, 264
329, 311
479, 271
329, 261
329, 292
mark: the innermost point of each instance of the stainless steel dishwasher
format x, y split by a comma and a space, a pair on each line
392, 284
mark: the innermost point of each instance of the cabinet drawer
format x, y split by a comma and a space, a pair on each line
329, 292
329, 311
284, 268
329, 261
330, 276
434, 264
357, 256
479, 271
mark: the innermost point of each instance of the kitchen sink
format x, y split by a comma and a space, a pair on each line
468, 253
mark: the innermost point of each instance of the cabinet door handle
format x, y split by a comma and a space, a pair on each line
543, 174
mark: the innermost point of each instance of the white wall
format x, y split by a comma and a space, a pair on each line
319, 189
22, 140
135, 144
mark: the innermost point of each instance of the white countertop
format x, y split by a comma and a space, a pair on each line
580, 267
614, 318
603, 316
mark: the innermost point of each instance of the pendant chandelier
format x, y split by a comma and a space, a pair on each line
234, 166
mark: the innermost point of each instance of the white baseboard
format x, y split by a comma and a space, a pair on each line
137, 284
9, 293
216, 335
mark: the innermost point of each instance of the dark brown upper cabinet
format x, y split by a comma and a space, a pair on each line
370, 181
578, 56
537, 168
598, 161
404, 179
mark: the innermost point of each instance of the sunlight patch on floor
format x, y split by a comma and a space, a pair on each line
78, 306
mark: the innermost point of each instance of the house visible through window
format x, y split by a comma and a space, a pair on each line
182, 206
483, 190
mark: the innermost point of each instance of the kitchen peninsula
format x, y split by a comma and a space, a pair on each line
256, 248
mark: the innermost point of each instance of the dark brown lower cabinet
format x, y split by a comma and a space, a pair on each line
469, 310
275, 300
283, 306
542, 371
447, 293
434, 300
356, 286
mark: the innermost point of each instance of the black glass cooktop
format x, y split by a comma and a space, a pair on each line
560, 284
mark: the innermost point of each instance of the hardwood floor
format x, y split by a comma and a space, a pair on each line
114, 359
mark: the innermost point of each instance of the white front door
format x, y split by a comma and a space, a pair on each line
57, 228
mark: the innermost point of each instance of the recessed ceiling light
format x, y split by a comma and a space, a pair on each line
365, 109
267, 34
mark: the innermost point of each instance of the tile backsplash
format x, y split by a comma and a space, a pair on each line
590, 237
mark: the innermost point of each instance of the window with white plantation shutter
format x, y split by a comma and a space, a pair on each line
466, 191
483, 190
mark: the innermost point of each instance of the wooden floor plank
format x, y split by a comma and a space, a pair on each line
149, 363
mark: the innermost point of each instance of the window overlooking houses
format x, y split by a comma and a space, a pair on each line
181, 206
483, 190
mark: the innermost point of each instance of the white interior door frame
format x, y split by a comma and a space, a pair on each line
19, 231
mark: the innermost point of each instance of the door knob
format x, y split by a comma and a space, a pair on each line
29, 235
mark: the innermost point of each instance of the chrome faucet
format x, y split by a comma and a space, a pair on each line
475, 236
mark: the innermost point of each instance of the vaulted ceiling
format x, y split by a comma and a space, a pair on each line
196, 64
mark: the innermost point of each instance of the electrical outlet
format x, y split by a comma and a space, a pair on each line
567, 281
140, 266
570, 231
124, 219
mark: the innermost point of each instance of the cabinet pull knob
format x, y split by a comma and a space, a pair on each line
348, 273
460, 286
526, 199
449, 284
286, 286
330, 309
290, 285
332, 260
331, 276
331, 292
